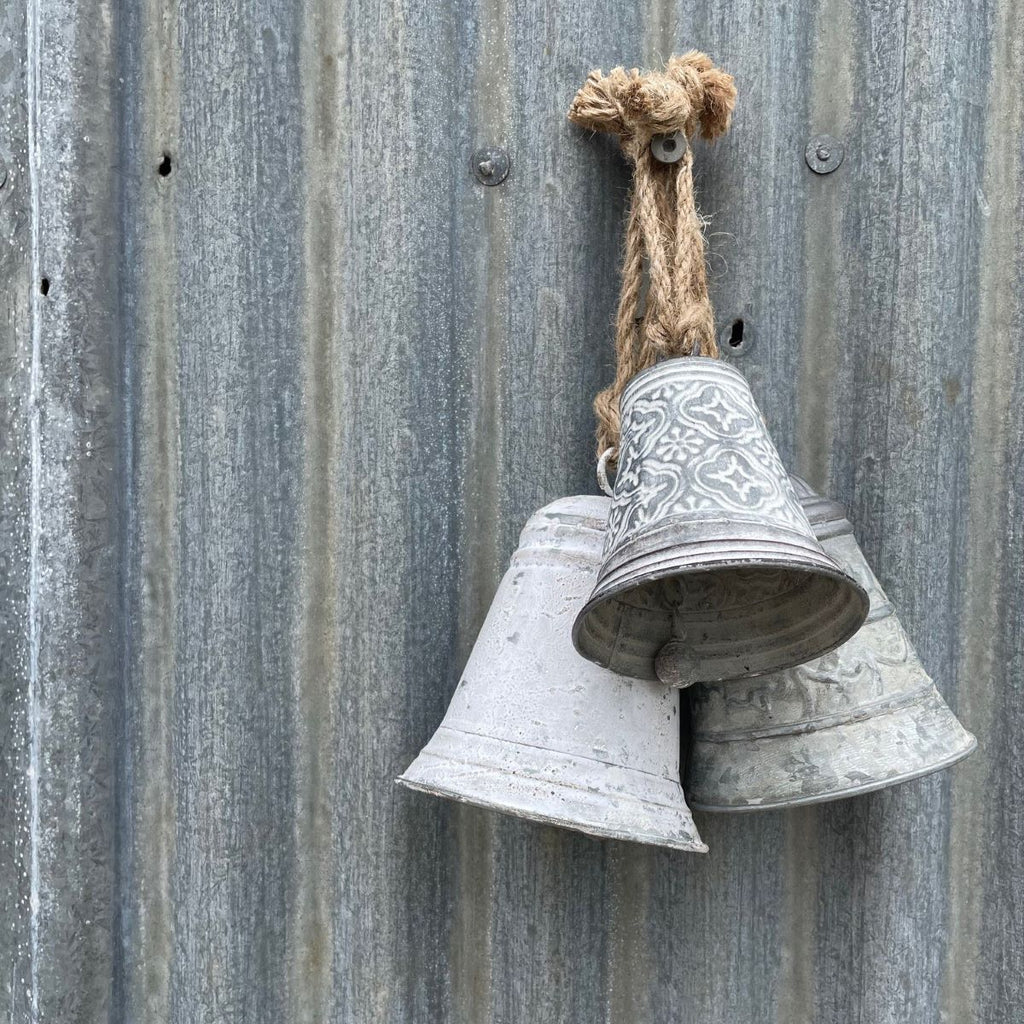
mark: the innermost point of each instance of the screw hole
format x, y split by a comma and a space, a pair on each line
736, 333
164, 168
670, 145
44, 286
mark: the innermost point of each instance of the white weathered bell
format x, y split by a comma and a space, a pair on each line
537, 731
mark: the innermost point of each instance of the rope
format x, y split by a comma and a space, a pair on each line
663, 226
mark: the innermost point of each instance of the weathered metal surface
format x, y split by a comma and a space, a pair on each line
537, 731
864, 717
269, 437
711, 570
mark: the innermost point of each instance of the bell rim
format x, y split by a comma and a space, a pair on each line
513, 790
671, 571
826, 798
811, 564
539, 818
966, 743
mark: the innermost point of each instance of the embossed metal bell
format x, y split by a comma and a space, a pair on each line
535, 730
711, 570
863, 717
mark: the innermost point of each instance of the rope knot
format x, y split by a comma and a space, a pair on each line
664, 234
690, 94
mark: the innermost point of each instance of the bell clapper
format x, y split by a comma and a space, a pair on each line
673, 665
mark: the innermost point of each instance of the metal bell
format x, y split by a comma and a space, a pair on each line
536, 731
711, 570
864, 717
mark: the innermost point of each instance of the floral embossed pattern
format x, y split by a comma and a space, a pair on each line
694, 445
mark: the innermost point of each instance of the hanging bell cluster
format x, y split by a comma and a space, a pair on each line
709, 575
539, 732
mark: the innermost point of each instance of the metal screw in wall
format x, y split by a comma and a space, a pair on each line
490, 165
824, 154
669, 149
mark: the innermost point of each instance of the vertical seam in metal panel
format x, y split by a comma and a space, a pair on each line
828, 109
473, 925
659, 32
802, 879
629, 973
35, 426
151, 459
310, 939
829, 102
897, 263
122, 783
991, 370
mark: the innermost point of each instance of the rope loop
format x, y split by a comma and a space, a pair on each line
664, 229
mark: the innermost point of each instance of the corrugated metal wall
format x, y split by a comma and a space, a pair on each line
270, 434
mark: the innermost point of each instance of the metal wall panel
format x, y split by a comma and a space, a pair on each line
268, 438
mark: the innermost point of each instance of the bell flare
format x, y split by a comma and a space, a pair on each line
551, 788
711, 570
770, 772
863, 717
536, 731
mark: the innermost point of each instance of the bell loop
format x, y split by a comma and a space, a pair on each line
602, 470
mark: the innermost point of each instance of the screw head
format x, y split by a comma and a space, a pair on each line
490, 165
824, 154
669, 149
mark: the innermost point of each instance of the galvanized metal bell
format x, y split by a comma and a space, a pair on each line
861, 718
534, 730
711, 570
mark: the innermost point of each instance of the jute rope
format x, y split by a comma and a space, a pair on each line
663, 227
